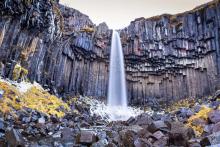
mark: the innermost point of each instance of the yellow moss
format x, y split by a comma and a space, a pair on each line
202, 114
35, 98
44, 102
187, 103
87, 29
19, 73
16, 72
9, 100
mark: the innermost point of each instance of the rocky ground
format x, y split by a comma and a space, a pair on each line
74, 123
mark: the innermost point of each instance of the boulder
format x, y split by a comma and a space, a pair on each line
14, 138
143, 119
216, 95
216, 127
67, 134
214, 116
211, 140
158, 135
100, 143
157, 125
179, 134
141, 142
127, 138
87, 137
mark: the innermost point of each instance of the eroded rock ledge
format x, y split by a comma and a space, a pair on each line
167, 57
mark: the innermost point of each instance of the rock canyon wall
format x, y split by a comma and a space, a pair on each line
167, 57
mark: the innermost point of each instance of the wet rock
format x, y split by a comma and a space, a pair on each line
179, 134
214, 116
41, 120
87, 137
157, 125
14, 138
212, 139
131, 121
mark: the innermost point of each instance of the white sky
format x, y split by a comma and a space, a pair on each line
119, 13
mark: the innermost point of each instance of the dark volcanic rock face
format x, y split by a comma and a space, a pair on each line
171, 57
167, 57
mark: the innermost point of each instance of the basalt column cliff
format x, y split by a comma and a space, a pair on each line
61, 48
171, 57
167, 57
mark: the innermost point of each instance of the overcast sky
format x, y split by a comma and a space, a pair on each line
119, 13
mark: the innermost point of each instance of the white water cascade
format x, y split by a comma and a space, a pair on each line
117, 90
117, 95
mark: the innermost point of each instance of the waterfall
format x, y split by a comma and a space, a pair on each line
117, 94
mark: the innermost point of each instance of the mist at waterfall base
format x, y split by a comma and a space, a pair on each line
117, 90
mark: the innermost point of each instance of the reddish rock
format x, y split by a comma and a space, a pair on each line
87, 137
179, 134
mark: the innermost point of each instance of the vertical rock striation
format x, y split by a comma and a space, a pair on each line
173, 56
167, 57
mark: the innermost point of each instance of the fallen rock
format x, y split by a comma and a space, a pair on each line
214, 116
179, 134
41, 120
157, 125
158, 135
212, 139
67, 134
161, 142
127, 138
100, 143
208, 129
14, 138
216, 95
143, 119
216, 127
87, 137
141, 142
